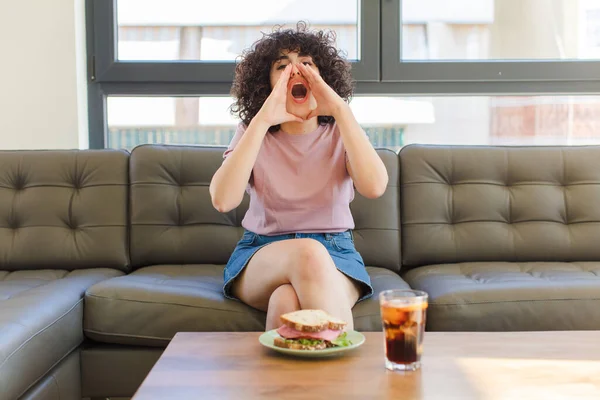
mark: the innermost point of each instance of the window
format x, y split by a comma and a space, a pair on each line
490, 40
206, 120
390, 122
197, 41
499, 30
220, 31
428, 71
510, 120
589, 29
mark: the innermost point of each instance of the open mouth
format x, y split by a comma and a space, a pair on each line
299, 92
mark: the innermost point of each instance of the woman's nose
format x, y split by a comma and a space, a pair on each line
295, 70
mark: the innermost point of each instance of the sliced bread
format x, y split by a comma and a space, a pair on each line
312, 321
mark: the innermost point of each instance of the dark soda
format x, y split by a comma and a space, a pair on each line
404, 327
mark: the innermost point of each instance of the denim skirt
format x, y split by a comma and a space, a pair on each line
339, 245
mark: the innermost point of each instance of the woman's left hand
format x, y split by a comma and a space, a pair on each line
328, 101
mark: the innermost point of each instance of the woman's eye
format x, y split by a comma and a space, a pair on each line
307, 63
282, 66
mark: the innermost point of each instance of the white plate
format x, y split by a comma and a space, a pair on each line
357, 338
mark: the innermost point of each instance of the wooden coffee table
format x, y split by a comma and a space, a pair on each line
524, 365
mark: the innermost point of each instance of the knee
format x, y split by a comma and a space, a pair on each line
312, 261
284, 297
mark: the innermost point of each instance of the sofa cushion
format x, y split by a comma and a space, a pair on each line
367, 316
63, 209
173, 220
469, 203
377, 221
150, 305
502, 296
40, 322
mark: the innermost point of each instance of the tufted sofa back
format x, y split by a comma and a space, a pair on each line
68, 209
499, 204
63, 209
174, 222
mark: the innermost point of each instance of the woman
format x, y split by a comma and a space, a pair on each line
299, 153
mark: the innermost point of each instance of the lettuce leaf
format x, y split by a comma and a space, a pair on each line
306, 342
342, 340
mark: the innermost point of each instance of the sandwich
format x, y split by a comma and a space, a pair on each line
311, 330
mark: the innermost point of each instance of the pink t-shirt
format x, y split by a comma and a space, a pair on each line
299, 183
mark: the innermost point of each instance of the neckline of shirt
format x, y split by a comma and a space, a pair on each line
301, 136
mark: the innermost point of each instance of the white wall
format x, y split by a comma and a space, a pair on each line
43, 96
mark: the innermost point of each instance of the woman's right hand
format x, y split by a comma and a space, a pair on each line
274, 110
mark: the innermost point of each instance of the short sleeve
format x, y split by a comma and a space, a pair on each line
241, 128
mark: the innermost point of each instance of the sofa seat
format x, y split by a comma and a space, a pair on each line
41, 315
367, 317
510, 296
149, 306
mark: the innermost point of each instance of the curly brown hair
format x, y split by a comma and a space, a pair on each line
251, 85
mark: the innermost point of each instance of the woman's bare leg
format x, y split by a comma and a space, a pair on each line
283, 300
308, 267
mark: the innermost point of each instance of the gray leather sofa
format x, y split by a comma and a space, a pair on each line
63, 228
104, 255
503, 239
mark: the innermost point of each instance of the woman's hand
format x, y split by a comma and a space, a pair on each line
329, 103
273, 110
